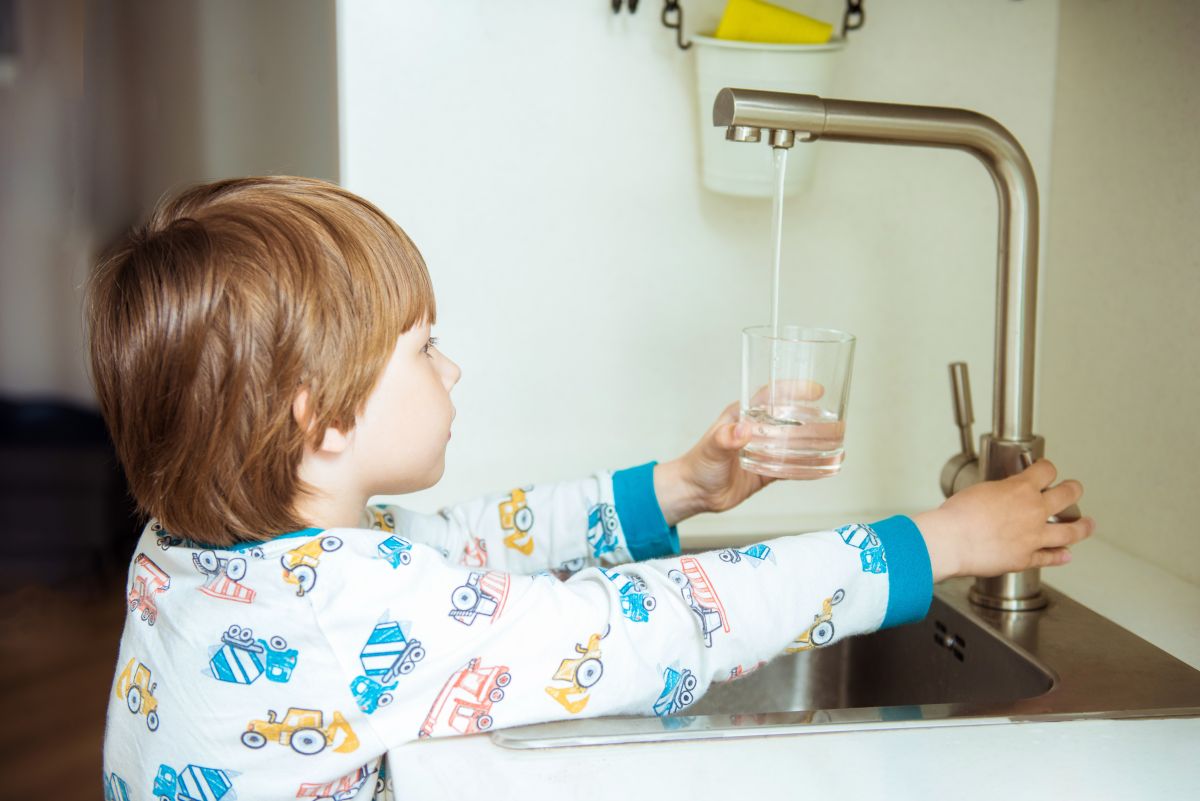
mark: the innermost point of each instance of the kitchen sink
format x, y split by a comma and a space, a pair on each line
961, 665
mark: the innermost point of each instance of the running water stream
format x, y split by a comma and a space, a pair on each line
780, 154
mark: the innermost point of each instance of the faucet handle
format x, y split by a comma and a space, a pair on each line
962, 469
964, 414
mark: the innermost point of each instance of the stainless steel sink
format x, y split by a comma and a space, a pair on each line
961, 665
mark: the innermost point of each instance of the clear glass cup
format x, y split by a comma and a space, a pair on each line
795, 385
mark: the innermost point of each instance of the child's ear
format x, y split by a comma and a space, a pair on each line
334, 441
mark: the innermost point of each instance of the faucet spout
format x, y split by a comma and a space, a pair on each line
1011, 440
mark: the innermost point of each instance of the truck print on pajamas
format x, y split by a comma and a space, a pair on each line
603, 526
698, 591
193, 783
305, 694
300, 564
580, 673
678, 691
241, 659
223, 576
387, 655
474, 553
148, 581
517, 518
134, 684
381, 519
636, 602
821, 631
302, 729
343, 789
464, 705
755, 555
864, 538
482, 594
396, 551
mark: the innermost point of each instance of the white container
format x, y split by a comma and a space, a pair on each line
746, 168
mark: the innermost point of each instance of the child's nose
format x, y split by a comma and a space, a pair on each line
451, 374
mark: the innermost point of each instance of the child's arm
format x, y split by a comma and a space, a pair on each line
460, 651
608, 519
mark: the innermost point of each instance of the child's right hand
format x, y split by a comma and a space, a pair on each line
997, 527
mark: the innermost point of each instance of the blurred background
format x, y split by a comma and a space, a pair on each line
545, 158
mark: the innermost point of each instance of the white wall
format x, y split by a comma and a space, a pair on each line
1122, 375
543, 155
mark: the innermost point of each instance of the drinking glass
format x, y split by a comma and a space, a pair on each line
795, 384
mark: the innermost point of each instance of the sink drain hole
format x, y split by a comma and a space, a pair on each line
954, 642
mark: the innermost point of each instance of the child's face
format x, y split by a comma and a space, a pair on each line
401, 436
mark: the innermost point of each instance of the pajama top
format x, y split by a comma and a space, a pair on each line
286, 669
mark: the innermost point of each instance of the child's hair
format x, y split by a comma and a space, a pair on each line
206, 321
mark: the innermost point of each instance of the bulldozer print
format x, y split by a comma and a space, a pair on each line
821, 631
300, 564
380, 518
517, 519
134, 684
581, 673
302, 729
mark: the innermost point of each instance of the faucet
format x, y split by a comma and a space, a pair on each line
782, 119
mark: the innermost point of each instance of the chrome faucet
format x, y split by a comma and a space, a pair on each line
782, 119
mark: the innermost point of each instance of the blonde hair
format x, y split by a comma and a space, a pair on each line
206, 321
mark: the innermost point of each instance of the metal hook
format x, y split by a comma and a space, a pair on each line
855, 16
672, 8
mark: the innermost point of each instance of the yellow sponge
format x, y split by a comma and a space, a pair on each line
756, 21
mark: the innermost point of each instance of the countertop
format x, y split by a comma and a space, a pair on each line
1101, 759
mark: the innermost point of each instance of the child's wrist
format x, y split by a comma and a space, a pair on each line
678, 497
942, 539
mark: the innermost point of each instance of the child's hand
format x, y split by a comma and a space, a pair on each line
999, 527
708, 478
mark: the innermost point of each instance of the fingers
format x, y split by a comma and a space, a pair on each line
729, 438
1050, 557
786, 390
1041, 473
1060, 497
1059, 535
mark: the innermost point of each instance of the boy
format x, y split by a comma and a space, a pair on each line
262, 356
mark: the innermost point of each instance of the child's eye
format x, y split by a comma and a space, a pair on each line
430, 344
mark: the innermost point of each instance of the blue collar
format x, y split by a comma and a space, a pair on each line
245, 546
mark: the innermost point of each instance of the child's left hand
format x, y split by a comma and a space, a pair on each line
708, 478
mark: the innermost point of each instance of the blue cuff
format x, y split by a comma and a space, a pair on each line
646, 531
910, 577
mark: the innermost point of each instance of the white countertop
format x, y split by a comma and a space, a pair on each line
1094, 759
